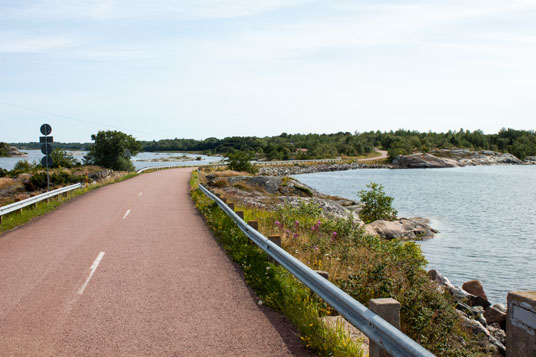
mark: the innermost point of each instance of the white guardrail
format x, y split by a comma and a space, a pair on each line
32, 200
377, 329
159, 168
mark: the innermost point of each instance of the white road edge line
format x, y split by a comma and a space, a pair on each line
126, 214
92, 271
139, 194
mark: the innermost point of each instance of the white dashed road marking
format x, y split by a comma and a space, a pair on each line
92, 271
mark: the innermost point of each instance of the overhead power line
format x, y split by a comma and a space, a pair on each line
73, 118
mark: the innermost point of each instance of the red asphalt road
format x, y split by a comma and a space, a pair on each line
163, 287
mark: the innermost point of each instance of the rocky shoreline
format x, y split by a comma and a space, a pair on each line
11, 151
476, 312
438, 159
271, 192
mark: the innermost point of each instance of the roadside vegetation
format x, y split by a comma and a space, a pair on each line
274, 286
364, 266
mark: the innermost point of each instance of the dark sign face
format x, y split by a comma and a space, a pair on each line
46, 129
46, 149
46, 139
46, 161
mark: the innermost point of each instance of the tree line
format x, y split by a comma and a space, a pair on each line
521, 143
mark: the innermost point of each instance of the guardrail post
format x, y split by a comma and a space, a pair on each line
323, 274
240, 214
231, 205
389, 310
254, 225
275, 238
224, 200
521, 324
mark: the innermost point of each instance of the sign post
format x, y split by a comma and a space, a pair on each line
46, 149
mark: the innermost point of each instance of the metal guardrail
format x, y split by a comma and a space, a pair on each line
32, 200
377, 329
157, 168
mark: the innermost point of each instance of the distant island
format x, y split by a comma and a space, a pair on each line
7, 150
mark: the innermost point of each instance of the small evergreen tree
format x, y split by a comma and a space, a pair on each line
377, 205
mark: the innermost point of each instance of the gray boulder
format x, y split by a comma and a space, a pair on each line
403, 228
268, 183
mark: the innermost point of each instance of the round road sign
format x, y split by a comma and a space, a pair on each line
46, 129
46, 149
46, 161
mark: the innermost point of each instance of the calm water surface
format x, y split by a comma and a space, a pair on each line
486, 216
139, 160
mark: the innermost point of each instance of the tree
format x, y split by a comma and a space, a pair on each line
4, 149
240, 161
112, 149
377, 205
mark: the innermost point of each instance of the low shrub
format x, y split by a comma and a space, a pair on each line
377, 205
39, 180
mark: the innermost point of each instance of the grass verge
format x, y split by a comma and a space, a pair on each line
275, 286
16, 219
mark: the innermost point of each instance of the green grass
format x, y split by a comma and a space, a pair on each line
275, 286
24, 216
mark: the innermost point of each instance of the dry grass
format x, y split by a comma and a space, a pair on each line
7, 181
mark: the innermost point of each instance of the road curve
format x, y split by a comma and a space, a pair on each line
130, 269
383, 155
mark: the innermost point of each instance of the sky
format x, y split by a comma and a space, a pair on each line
160, 69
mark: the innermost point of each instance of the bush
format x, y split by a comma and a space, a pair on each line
377, 204
61, 158
240, 161
39, 180
23, 166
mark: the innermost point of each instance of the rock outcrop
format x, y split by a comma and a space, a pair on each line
12, 151
422, 161
403, 228
455, 158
